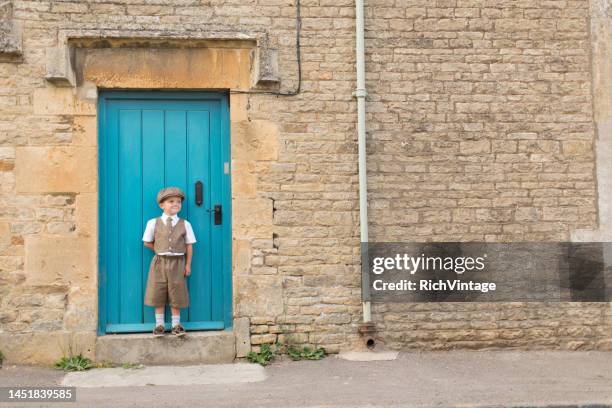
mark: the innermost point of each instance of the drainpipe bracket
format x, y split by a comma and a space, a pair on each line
360, 93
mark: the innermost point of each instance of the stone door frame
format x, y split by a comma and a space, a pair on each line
74, 75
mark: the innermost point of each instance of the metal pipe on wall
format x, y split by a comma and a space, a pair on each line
361, 93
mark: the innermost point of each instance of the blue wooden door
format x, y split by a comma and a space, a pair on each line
149, 140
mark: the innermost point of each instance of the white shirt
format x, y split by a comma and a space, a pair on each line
149, 233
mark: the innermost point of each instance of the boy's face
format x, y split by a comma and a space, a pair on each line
171, 205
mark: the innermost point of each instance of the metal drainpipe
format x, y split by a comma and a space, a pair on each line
367, 328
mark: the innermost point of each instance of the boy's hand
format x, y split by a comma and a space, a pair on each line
187, 270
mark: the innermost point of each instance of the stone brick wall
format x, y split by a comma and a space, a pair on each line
480, 127
481, 121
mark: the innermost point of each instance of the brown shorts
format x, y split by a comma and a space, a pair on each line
166, 282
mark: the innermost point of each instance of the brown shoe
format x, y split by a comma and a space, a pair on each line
178, 330
159, 331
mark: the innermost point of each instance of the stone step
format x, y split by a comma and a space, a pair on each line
198, 347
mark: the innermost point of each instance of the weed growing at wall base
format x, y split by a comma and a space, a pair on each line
74, 363
305, 353
264, 356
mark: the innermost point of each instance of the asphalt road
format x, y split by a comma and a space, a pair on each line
428, 379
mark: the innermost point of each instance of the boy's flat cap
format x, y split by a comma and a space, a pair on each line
170, 192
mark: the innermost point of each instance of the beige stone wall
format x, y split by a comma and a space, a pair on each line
480, 127
481, 121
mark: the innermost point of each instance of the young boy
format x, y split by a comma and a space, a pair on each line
171, 238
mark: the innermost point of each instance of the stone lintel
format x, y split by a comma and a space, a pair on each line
62, 70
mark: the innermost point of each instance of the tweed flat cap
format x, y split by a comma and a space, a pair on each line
169, 192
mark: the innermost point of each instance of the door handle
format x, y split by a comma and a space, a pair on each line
217, 214
198, 193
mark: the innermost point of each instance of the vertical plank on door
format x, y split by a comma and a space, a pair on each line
153, 174
216, 165
175, 163
111, 224
130, 216
198, 123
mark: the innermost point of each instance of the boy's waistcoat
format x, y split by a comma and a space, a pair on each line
166, 241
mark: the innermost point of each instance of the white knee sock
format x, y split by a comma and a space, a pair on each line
159, 319
176, 320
